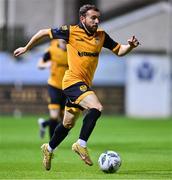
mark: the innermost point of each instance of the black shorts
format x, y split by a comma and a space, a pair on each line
57, 97
76, 93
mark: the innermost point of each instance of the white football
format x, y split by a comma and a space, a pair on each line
109, 161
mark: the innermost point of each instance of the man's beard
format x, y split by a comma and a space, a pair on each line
90, 29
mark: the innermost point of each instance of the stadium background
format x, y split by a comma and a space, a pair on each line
23, 86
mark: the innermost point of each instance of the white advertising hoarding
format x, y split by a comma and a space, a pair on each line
148, 86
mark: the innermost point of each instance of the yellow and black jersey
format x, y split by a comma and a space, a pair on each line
83, 51
59, 65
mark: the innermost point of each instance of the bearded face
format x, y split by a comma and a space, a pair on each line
91, 20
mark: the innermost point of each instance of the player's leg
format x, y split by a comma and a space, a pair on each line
84, 96
54, 108
94, 108
42, 126
61, 131
53, 120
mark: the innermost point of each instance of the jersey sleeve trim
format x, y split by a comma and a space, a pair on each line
109, 42
60, 33
50, 34
116, 48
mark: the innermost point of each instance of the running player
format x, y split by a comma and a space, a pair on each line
84, 43
56, 58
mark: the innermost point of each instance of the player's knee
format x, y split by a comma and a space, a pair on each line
68, 124
99, 107
54, 113
54, 117
70, 116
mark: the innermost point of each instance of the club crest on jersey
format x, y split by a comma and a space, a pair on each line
83, 88
97, 40
64, 28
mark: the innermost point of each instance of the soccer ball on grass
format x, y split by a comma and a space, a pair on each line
109, 161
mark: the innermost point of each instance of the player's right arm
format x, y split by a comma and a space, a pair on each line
56, 33
38, 36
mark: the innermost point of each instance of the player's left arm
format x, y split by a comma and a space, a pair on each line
125, 49
120, 49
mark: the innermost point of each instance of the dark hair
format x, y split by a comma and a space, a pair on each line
83, 9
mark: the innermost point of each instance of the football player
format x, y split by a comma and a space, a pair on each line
84, 43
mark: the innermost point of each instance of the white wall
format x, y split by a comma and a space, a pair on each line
151, 31
148, 86
151, 25
106, 5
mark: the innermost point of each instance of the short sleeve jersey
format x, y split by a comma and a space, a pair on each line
83, 51
59, 65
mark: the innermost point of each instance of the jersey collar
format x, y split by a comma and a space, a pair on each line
84, 28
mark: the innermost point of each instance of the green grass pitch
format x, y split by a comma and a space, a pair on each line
144, 146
